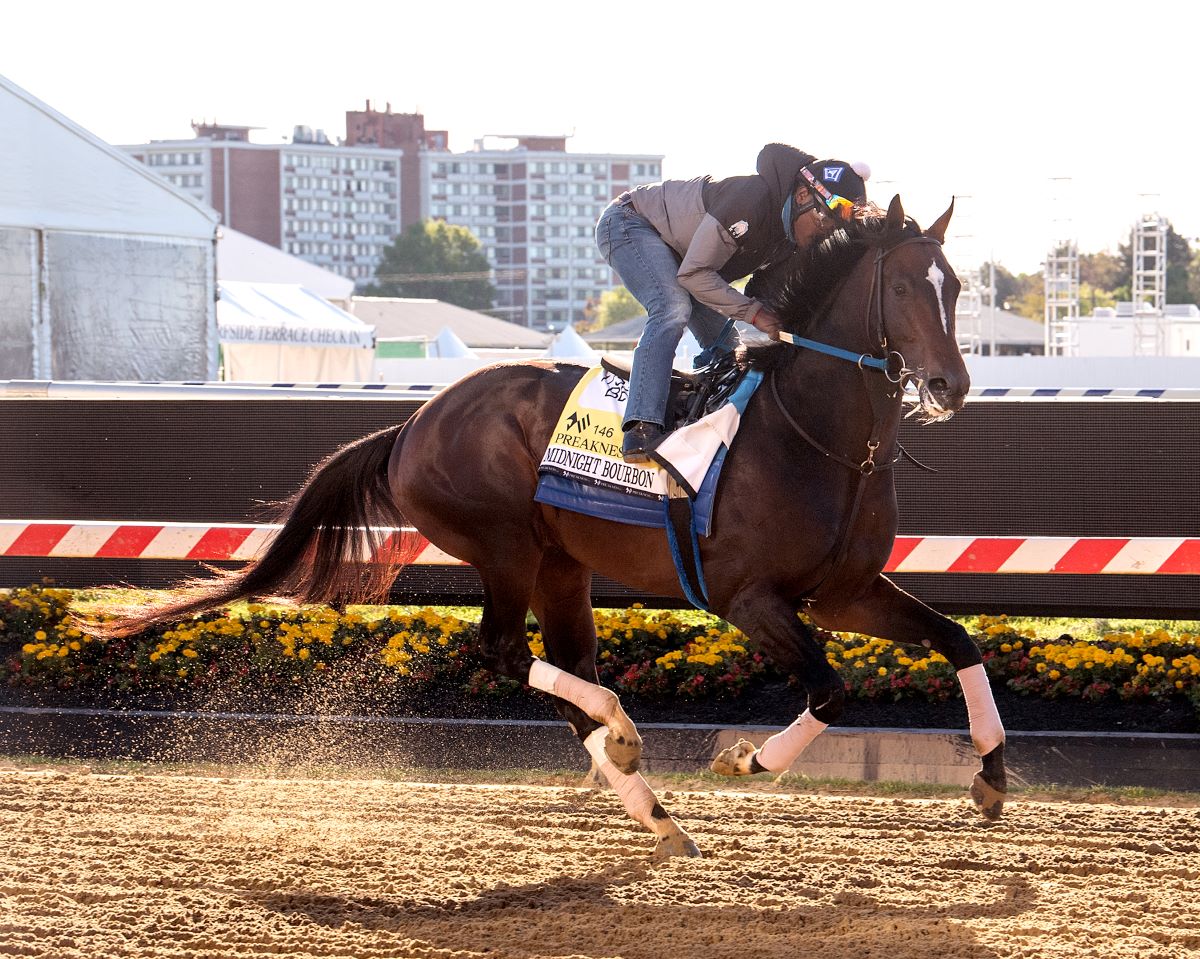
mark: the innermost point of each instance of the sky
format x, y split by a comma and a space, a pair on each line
1048, 120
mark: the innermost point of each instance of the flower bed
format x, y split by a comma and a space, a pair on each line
648, 655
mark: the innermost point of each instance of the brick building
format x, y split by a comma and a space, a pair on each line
532, 204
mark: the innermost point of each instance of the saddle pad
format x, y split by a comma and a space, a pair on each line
582, 469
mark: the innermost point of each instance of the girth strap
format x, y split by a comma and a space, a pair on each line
685, 550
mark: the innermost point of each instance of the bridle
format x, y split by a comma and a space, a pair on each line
881, 401
891, 363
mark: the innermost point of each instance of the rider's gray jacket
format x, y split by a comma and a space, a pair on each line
723, 230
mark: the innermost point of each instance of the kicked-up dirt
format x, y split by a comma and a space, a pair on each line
204, 866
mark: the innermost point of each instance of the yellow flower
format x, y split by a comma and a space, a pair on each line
190, 653
882, 670
303, 654
1055, 674
40, 636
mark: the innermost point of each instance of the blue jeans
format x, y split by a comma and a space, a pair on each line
648, 268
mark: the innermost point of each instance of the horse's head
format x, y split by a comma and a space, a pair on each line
914, 299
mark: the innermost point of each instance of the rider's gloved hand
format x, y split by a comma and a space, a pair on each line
768, 322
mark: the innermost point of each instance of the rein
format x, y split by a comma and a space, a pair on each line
880, 404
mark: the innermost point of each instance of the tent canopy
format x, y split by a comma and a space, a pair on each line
285, 313
55, 175
281, 332
448, 346
570, 345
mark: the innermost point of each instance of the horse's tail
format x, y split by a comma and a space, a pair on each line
341, 542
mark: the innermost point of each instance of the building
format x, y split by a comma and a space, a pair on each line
532, 204
534, 208
107, 272
1120, 331
334, 206
398, 131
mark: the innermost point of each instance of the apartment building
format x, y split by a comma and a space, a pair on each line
335, 206
532, 204
534, 208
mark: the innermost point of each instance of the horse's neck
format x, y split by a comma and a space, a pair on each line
841, 405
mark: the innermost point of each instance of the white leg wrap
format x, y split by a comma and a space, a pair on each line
635, 794
599, 703
987, 732
781, 750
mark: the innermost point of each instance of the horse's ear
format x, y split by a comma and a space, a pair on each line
895, 214
938, 230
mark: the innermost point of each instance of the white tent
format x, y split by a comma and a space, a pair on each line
570, 345
107, 271
447, 346
281, 332
242, 257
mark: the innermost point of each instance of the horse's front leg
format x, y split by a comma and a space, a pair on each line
888, 612
772, 622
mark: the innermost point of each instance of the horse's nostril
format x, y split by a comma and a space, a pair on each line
939, 386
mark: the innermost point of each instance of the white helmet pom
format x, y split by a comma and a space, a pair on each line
859, 167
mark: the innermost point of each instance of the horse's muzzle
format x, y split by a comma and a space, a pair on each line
942, 397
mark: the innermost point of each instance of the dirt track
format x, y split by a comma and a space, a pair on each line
184, 866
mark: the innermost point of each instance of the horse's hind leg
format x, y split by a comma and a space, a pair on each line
888, 612
562, 604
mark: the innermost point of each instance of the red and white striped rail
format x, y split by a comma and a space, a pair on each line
198, 541
911, 554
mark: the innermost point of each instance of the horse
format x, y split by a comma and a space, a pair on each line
805, 520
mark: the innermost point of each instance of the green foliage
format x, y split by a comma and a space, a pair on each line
1104, 280
1179, 258
615, 306
1102, 271
436, 260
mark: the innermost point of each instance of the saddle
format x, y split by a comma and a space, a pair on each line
692, 396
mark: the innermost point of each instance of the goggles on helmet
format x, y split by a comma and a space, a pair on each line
842, 208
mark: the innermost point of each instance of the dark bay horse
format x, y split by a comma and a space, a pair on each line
805, 521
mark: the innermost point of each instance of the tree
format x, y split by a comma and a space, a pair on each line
1007, 286
614, 306
1029, 300
436, 260
1179, 257
1103, 271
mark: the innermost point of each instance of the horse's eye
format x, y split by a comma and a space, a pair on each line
899, 289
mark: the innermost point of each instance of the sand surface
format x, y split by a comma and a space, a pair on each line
192, 866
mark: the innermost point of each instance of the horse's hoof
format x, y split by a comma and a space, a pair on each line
988, 798
623, 754
736, 760
678, 845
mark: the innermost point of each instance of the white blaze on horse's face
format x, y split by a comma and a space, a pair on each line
936, 277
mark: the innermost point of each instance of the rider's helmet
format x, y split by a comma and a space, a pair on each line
835, 185
838, 185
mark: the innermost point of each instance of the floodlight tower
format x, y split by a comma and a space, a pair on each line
1060, 274
1149, 284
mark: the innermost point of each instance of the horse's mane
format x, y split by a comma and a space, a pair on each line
799, 289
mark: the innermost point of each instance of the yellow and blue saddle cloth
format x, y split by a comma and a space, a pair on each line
582, 469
